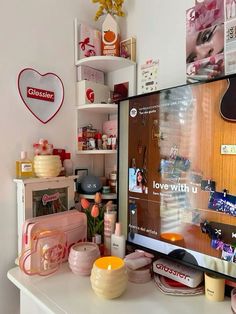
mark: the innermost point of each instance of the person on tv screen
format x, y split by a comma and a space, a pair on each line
139, 186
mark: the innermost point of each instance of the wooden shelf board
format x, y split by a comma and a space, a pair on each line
96, 152
108, 196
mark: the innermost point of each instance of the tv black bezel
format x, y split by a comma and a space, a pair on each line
132, 246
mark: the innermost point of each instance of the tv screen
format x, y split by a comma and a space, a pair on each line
177, 173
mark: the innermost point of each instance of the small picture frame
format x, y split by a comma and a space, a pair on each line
208, 185
128, 49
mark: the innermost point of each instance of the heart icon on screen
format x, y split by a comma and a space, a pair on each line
43, 94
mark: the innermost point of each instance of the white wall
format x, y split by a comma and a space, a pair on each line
39, 34
159, 27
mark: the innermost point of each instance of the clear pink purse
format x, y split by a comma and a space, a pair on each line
46, 241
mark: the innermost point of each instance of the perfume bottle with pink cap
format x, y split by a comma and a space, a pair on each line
118, 242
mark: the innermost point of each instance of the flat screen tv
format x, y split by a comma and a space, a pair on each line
177, 173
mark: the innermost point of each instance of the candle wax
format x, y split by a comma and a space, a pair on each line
109, 262
84, 247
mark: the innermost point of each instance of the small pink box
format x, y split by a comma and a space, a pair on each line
89, 41
89, 74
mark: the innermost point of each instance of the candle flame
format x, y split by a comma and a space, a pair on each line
109, 267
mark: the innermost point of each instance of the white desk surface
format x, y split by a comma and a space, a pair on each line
65, 292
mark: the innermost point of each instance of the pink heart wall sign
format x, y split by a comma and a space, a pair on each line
43, 94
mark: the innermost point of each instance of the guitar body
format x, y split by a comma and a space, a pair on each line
228, 101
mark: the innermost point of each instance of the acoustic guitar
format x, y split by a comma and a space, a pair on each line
228, 101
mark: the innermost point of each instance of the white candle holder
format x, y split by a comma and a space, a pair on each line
82, 256
109, 277
47, 166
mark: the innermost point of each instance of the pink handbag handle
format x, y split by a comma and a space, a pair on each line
52, 257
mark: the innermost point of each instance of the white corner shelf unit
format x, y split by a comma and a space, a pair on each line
116, 70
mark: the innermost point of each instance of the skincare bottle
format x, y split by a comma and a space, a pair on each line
118, 242
68, 165
24, 167
109, 228
233, 10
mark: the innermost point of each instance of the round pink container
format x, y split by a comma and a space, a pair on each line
82, 256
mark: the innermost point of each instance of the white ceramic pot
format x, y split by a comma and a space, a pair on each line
46, 166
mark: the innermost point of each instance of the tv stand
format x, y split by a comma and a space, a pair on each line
65, 292
182, 255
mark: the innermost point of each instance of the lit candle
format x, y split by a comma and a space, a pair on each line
82, 256
174, 238
109, 277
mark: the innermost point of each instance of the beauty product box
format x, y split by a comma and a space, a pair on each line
89, 74
208, 13
128, 49
90, 92
110, 37
89, 41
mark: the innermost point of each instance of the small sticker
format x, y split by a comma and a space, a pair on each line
228, 150
133, 112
